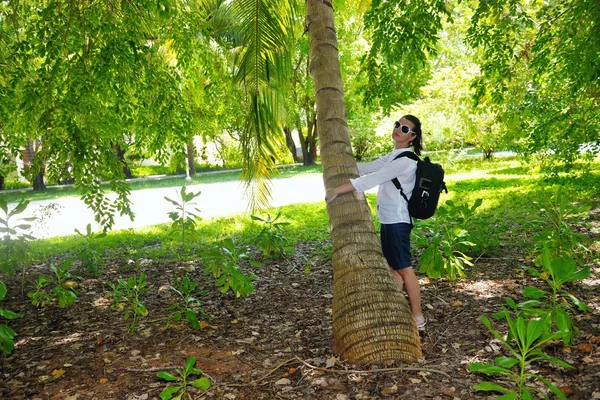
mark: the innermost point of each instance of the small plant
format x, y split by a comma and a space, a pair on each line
7, 335
64, 287
555, 303
184, 219
271, 239
126, 296
558, 212
446, 240
182, 379
189, 305
224, 263
15, 251
91, 259
39, 296
524, 342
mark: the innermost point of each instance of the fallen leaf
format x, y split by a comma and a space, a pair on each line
235, 321
415, 380
587, 360
566, 349
292, 370
330, 362
595, 339
585, 347
566, 390
389, 390
103, 381
203, 324
100, 340
458, 303
429, 306
283, 381
58, 372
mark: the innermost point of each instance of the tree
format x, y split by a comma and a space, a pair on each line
540, 64
372, 322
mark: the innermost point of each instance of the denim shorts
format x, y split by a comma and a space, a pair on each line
395, 243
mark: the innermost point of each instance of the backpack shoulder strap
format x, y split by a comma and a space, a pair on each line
395, 181
408, 154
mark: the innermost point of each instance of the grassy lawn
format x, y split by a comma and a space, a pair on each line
511, 195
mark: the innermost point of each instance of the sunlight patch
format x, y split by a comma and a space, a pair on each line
485, 289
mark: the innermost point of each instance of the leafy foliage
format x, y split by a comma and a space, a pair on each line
7, 335
89, 255
446, 239
189, 305
539, 64
404, 35
271, 238
555, 304
127, 295
182, 379
184, 219
63, 291
223, 262
524, 343
14, 247
558, 213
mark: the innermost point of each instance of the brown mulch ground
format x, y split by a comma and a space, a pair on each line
275, 343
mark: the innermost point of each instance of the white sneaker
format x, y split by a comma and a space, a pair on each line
420, 321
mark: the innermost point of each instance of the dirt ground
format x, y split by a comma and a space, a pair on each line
276, 343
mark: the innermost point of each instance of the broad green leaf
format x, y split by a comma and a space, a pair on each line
167, 393
202, 383
9, 314
580, 304
167, 376
489, 369
534, 293
552, 388
490, 387
189, 364
3, 290
506, 362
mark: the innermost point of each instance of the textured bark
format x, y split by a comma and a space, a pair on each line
372, 322
191, 156
121, 155
289, 141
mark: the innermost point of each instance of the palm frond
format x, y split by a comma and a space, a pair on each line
263, 64
261, 139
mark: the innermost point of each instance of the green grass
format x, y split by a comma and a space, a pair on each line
510, 191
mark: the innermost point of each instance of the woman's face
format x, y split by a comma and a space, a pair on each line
403, 133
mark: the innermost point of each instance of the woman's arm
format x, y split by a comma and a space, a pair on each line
336, 191
370, 167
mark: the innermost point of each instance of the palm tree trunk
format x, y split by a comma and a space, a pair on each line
372, 322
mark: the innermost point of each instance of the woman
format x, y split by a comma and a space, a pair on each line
392, 208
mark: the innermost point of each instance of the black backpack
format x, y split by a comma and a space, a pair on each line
428, 186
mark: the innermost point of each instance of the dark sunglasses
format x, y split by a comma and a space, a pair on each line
404, 128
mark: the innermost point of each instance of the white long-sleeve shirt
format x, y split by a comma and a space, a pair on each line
391, 206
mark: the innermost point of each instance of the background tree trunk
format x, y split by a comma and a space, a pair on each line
38, 182
289, 141
191, 156
372, 322
121, 155
1, 182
